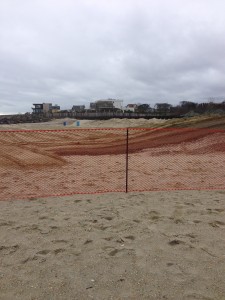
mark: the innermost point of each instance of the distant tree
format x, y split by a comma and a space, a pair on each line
187, 106
143, 108
162, 108
210, 107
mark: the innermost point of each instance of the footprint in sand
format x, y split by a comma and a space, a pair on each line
60, 250
60, 241
55, 251
154, 215
43, 252
43, 217
177, 215
120, 252
137, 221
108, 239
217, 224
219, 210
31, 228
6, 250
175, 242
88, 241
101, 227
197, 221
115, 251
130, 237
40, 256
189, 203
54, 227
6, 223
33, 258
215, 210
108, 218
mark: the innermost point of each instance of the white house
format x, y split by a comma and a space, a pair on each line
130, 107
118, 104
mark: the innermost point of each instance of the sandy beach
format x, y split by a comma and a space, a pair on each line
158, 245
145, 245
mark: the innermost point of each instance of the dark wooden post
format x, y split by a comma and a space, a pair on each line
127, 152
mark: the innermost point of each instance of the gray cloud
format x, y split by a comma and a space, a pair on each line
74, 52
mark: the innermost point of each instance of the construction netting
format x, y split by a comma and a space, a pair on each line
43, 163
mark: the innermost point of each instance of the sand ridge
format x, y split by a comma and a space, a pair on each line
41, 163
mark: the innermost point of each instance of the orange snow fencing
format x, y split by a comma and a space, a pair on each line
43, 163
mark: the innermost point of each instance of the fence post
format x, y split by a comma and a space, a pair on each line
127, 150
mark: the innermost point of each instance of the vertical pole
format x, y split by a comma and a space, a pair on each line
127, 150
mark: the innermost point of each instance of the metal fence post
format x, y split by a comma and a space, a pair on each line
127, 150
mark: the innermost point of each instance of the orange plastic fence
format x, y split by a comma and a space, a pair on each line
43, 163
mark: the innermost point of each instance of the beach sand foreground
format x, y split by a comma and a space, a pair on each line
158, 245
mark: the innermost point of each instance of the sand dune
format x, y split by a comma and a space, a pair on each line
44, 163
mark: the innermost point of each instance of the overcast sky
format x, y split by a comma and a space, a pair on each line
142, 51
